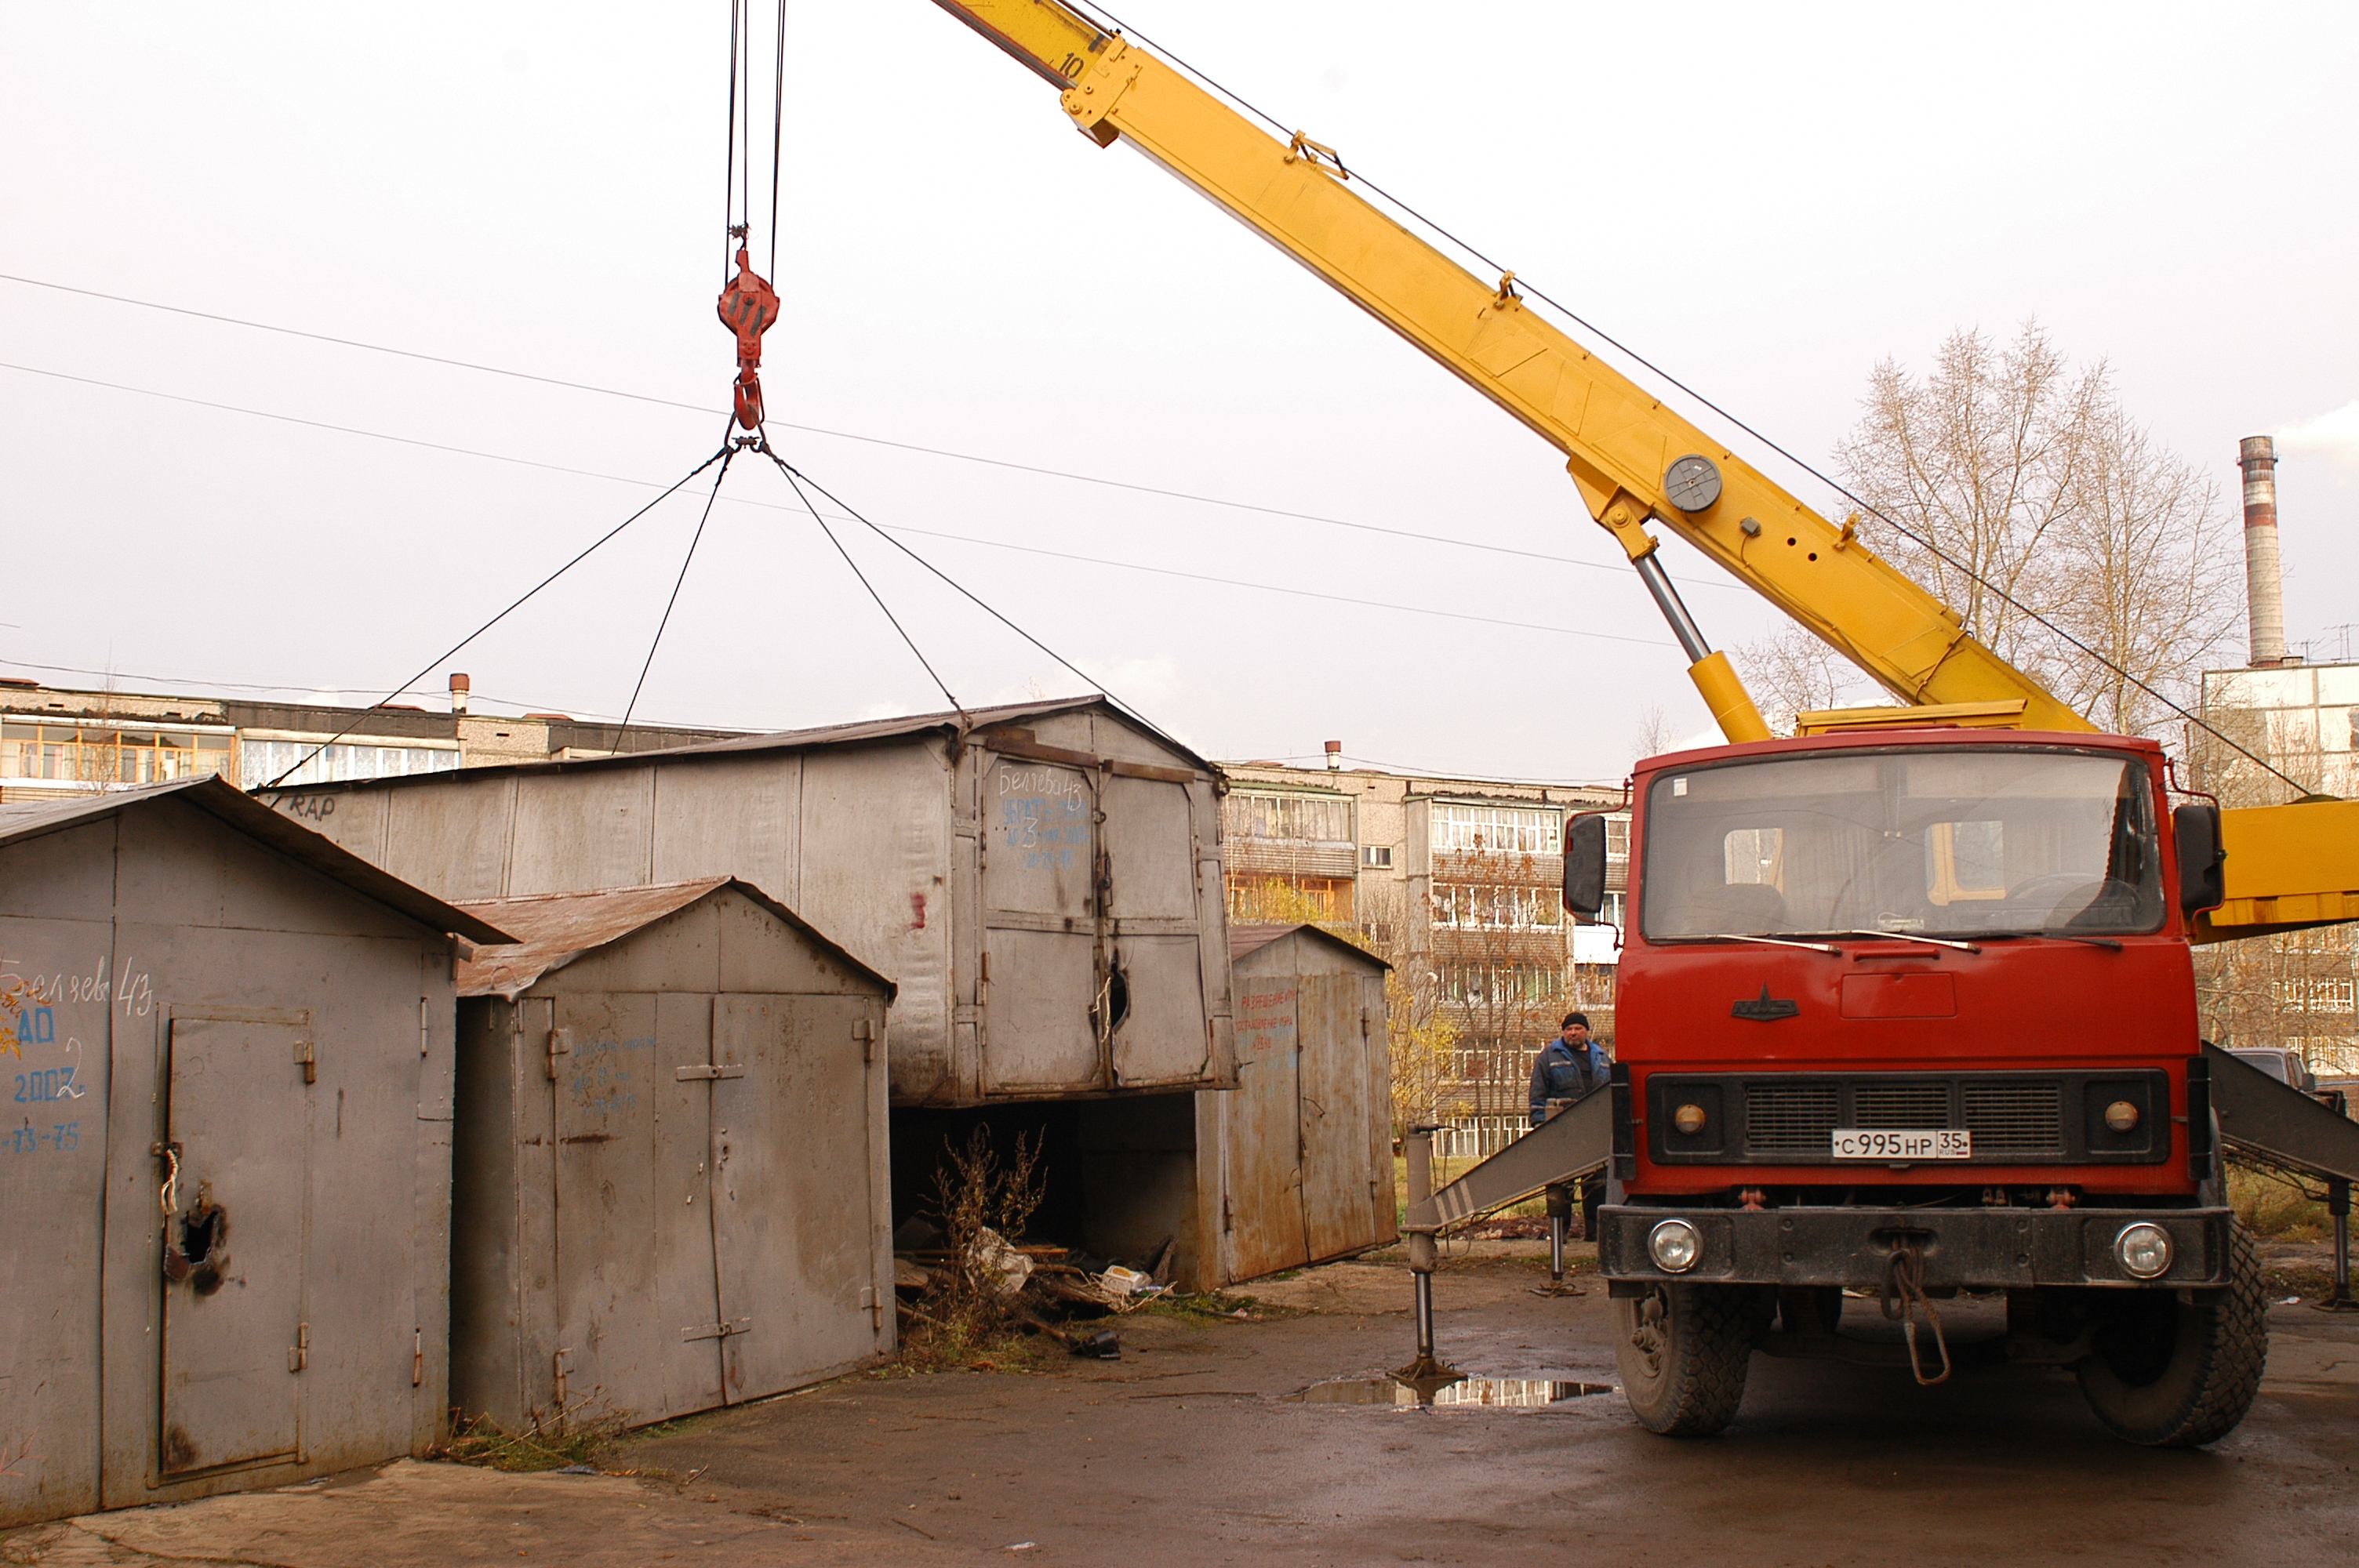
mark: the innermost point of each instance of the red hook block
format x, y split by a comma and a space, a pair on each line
748, 306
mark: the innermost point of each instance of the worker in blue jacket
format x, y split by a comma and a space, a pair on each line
1568, 1067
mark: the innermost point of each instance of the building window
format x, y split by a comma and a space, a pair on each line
263, 761
1297, 818
88, 755
2324, 995
1291, 901
1378, 855
1487, 907
1497, 830
1494, 985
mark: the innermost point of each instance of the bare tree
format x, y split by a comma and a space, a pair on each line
1791, 671
1653, 736
2022, 495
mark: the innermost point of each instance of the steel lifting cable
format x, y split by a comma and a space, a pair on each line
1116, 24
720, 457
794, 483
694, 539
794, 473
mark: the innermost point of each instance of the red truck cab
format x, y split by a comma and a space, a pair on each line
1913, 1013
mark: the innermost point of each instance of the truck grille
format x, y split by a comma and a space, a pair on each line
2016, 1119
1900, 1105
1791, 1116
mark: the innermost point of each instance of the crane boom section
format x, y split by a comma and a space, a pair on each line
1616, 439
2287, 866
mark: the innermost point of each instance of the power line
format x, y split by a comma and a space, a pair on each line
1136, 488
1269, 588
739, 500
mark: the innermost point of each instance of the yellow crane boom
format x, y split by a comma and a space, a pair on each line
1634, 461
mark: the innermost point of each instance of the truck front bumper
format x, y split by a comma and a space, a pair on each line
1991, 1249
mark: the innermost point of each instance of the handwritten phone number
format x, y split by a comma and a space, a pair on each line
29, 1140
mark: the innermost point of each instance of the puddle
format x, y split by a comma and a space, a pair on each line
1493, 1393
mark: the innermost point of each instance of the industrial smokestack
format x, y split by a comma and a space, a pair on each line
1335, 755
460, 686
2263, 587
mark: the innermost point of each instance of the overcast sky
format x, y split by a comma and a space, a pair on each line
1765, 200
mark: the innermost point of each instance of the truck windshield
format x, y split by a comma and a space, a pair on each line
1938, 842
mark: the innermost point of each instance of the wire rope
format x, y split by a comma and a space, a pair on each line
694, 539
871, 587
794, 473
729, 145
720, 457
777, 131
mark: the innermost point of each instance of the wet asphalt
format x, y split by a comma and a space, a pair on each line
1197, 1447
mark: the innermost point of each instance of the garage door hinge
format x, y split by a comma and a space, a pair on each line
875, 1308
561, 1044
417, 1357
865, 1030
722, 1330
684, 1074
308, 1058
298, 1355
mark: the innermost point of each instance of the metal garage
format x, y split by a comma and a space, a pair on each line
1304, 1143
226, 1166
671, 1178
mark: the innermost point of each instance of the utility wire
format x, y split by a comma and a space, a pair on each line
1270, 588
794, 473
1573, 316
720, 456
988, 544
1617, 569
694, 539
871, 587
810, 430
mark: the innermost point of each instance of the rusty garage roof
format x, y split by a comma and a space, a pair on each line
1245, 939
551, 930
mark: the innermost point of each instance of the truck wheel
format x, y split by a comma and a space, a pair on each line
2173, 1376
1681, 1351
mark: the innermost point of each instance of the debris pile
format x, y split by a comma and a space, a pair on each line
1030, 1286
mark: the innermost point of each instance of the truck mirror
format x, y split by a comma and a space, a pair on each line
1585, 865
2202, 884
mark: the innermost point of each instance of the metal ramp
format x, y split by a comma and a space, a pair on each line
1576, 1141
2281, 1125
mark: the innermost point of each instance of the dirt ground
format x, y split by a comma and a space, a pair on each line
1190, 1450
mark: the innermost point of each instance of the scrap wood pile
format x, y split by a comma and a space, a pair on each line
965, 1280
1035, 1285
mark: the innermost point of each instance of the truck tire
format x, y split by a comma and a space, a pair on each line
2168, 1374
1683, 1351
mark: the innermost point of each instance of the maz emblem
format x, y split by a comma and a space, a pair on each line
1765, 1008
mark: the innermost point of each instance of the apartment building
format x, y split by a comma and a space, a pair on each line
1455, 881
63, 741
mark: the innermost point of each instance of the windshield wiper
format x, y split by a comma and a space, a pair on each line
1911, 936
2106, 942
1771, 941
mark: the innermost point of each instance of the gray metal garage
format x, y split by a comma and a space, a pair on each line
227, 1169
670, 1187
1042, 881
1304, 1143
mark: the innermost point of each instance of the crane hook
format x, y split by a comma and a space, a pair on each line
748, 306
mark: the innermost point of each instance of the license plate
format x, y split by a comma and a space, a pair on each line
1887, 1143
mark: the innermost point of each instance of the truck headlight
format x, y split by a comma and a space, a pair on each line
1689, 1119
2122, 1115
1675, 1246
2143, 1250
